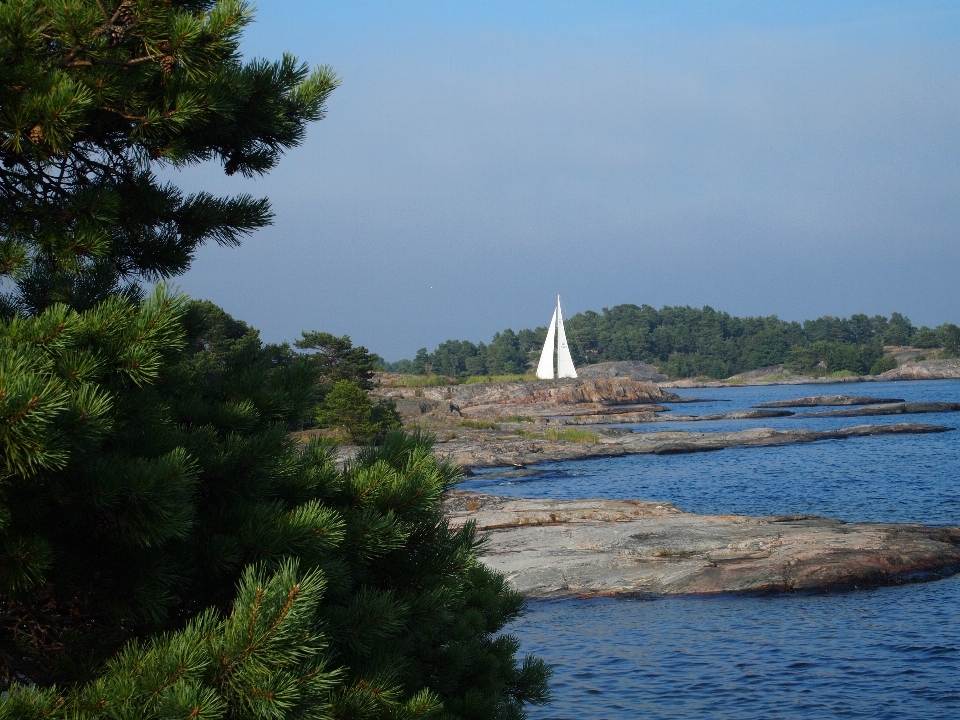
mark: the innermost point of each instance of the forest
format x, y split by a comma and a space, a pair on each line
690, 342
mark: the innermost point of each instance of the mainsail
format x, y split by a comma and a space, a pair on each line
565, 368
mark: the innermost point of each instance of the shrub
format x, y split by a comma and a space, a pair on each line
348, 406
883, 364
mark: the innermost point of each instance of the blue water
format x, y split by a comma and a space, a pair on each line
886, 653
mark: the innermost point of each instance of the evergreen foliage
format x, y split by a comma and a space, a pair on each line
166, 549
883, 364
347, 406
687, 342
94, 93
335, 358
149, 486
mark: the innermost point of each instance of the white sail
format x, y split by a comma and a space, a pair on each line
545, 368
565, 367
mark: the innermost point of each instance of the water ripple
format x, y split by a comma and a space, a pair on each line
886, 653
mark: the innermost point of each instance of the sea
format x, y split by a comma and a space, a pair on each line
890, 652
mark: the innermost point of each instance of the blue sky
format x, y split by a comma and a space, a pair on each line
797, 159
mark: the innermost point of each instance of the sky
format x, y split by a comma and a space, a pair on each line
480, 157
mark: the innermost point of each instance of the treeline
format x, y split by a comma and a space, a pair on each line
688, 342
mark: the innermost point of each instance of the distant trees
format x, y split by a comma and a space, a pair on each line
685, 342
824, 356
507, 354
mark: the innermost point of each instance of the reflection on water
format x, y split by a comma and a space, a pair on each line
889, 653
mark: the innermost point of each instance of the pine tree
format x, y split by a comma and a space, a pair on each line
185, 509
96, 93
166, 548
348, 407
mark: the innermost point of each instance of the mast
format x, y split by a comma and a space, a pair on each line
565, 368
545, 368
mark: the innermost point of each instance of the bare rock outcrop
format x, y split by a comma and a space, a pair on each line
507, 450
584, 548
633, 369
925, 370
900, 408
828, 401
541, 398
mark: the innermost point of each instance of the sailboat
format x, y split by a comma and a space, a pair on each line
565, 368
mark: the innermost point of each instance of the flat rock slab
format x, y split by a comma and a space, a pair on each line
498, 451
902, 408
735, 415
828, 400
586, 548
650, 416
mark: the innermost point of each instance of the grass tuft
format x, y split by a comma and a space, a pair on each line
842, 374
479, 424
574, 435
422, 381
474, 379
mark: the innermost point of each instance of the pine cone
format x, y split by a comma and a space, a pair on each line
36, 135
167, 63
125, 14
105, 525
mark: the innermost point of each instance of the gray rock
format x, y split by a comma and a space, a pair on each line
925, 370
499, 451
828, 400
589, 548
634, 369
736, 415
900, 408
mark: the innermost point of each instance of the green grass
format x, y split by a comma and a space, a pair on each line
474, 379
735, 381
421, 381
842, 374
479, 424
573, 435
517, 419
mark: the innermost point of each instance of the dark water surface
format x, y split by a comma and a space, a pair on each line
886, 653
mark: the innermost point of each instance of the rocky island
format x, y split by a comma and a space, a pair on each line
589, 548
584, 548
519, 423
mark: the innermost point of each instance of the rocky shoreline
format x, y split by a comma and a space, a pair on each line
586, 548
948, 369
505, 450
591, 548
